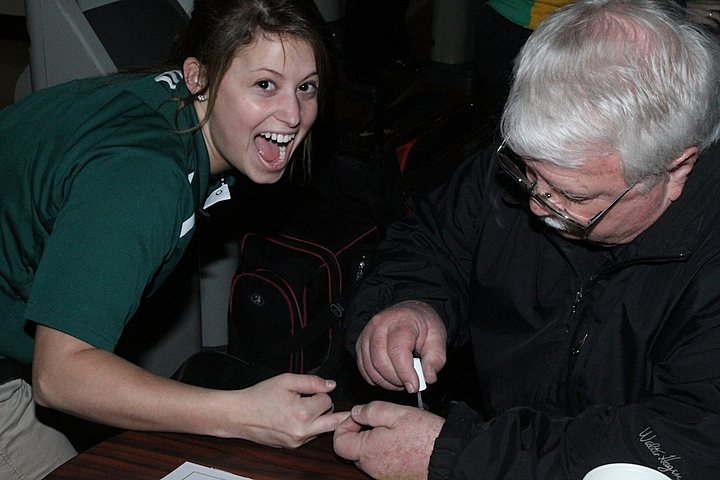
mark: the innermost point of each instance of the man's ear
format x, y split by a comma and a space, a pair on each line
193, 72
679, 171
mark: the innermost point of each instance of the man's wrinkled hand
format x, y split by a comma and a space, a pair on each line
389, 441
386, 346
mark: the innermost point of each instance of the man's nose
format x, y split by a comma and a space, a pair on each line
538, 208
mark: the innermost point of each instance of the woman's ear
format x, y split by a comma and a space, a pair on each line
193, 72
679, 171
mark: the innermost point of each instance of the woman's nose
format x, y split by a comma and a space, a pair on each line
289, 110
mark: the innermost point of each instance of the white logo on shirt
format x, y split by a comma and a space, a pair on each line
190, 222
187, 225
172, 78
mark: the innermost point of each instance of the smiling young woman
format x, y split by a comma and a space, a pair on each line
264, 107
243, 40
103, 179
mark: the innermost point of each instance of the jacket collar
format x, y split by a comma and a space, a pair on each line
679, 230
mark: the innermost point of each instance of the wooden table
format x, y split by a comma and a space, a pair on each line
150, 456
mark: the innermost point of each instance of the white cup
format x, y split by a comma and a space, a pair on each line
624, 471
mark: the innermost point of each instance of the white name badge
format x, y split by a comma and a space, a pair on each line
221, 194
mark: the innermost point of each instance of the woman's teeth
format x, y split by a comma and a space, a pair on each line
278, 137
282, 140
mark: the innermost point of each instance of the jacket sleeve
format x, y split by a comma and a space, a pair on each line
428, 255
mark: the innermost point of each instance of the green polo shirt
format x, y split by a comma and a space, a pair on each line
98, 192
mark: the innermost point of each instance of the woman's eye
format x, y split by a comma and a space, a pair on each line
308, 87
265, 85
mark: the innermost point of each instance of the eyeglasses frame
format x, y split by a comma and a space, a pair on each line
571, 226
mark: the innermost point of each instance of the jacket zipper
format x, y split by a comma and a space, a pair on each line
578, 345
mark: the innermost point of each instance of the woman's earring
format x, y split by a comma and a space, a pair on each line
201, 98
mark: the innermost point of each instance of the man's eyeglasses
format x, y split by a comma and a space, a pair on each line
515, 167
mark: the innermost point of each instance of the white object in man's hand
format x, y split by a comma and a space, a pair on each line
418, 369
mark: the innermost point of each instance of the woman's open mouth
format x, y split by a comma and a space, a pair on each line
274, 148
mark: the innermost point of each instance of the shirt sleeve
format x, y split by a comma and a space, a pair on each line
119, 222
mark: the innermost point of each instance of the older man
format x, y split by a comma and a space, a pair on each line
580, 257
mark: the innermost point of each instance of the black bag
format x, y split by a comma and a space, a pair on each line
291, 289
220, 371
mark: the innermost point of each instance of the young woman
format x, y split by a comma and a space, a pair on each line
101, 181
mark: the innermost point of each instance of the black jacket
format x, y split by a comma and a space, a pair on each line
585, 355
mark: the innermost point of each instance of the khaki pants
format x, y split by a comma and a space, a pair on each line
29, 449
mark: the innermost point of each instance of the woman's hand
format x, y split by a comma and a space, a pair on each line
287, 410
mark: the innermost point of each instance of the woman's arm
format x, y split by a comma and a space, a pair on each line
75, 377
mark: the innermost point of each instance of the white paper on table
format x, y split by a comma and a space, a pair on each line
192, 471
